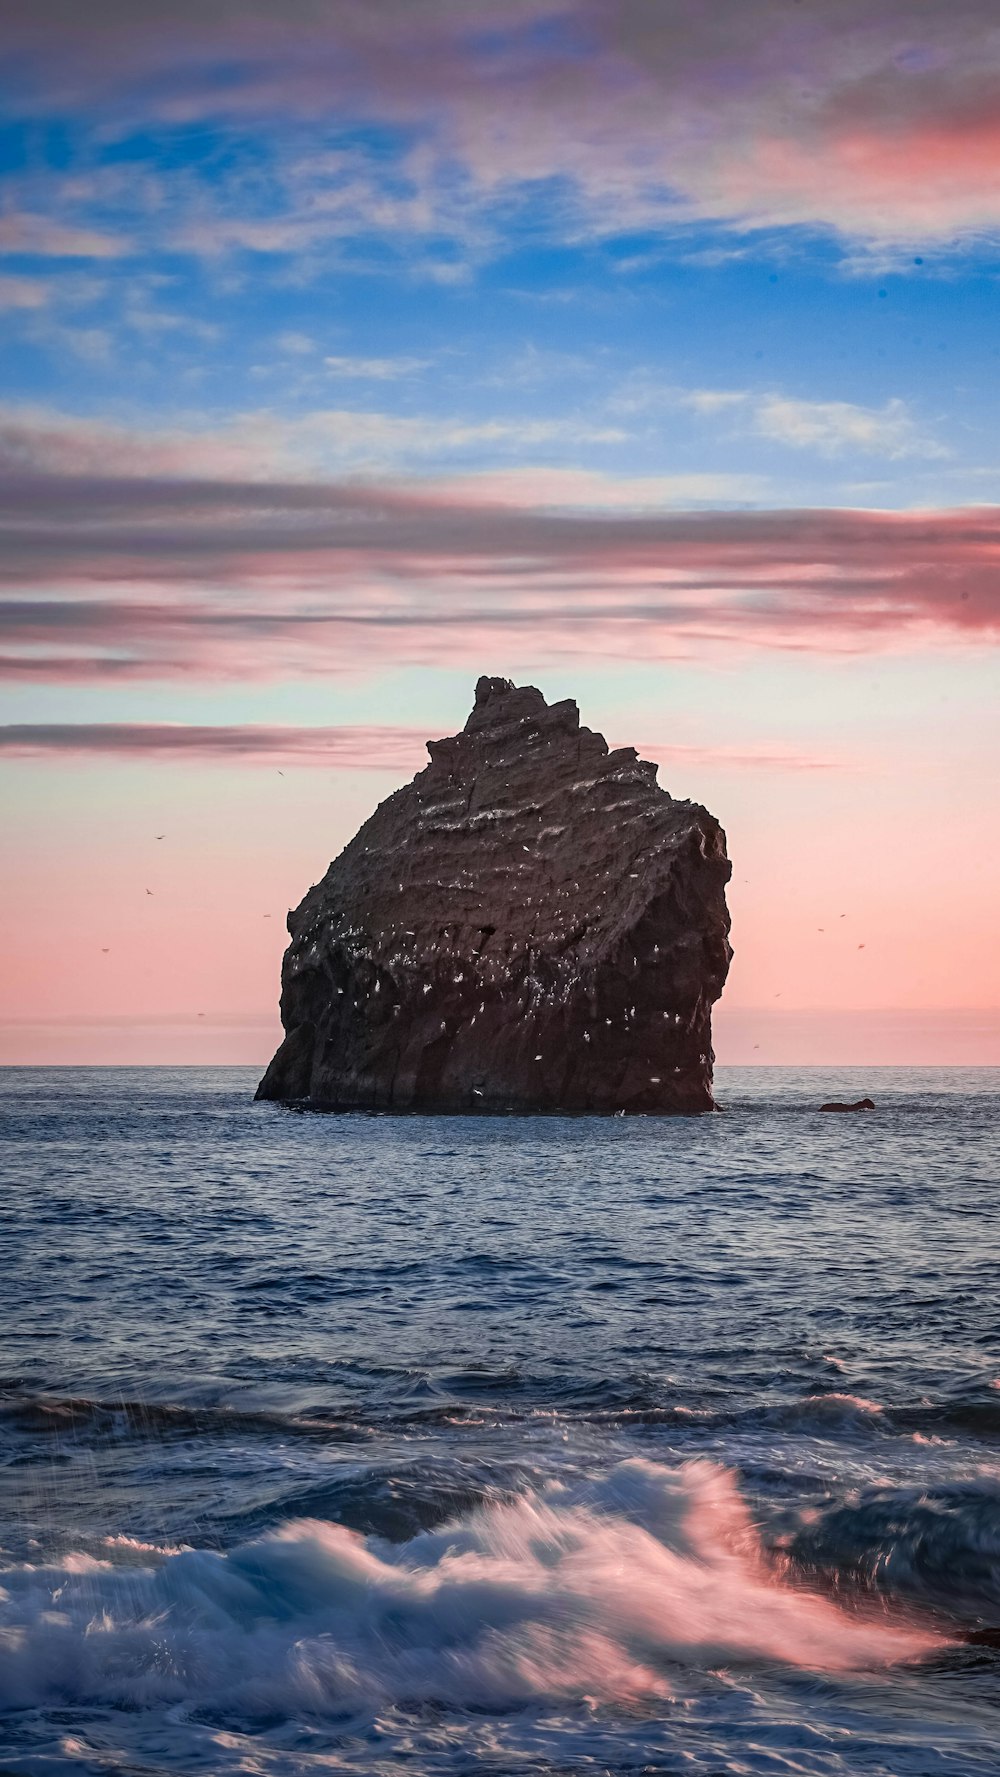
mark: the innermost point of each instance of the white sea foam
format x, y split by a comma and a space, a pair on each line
595, 1593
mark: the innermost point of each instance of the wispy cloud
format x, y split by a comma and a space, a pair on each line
835, 427
411, 205
41, 237
363, 747
711, 401
297, 345
831, 427
880, 124
23, 293
263, 444
366, 747
92, 345
379, 370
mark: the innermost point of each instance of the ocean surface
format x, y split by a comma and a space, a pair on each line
506, 1445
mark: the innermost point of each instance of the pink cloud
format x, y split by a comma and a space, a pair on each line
41, 237
365, 747
879, 122
150, 575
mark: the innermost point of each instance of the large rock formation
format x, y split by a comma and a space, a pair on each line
531, 925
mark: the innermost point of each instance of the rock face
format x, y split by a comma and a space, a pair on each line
531, 925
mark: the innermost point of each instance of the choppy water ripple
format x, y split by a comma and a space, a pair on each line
499, 1445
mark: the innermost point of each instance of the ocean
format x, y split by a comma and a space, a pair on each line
500, 1445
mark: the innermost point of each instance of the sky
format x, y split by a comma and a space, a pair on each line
645, 351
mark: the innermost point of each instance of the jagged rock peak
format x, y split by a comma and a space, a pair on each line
500, 701
531, 924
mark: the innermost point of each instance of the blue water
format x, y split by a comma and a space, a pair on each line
500, 1445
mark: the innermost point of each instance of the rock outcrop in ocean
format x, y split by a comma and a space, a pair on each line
532, 924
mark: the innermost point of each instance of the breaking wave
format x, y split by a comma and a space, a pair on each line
588, 1593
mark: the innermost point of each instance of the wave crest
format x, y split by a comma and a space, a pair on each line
589, 1593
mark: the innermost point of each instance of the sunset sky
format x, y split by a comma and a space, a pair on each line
645, 351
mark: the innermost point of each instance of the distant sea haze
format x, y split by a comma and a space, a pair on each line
755, 1036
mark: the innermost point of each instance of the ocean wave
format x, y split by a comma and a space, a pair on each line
937, 1546
589, 1593
64, 1416
406, 1400
819, 1415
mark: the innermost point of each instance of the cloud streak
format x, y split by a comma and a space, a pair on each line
261, 444
367, 747
363, 747
123, 577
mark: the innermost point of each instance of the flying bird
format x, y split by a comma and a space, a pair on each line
860, 946
149, 891
161, 836
105, 949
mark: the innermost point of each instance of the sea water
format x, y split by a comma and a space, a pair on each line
500, 1445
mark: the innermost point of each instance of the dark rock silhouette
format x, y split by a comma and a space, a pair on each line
863, 1104
531, 925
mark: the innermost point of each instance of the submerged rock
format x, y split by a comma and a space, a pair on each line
532, 924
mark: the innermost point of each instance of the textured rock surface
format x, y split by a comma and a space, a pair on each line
531, 924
